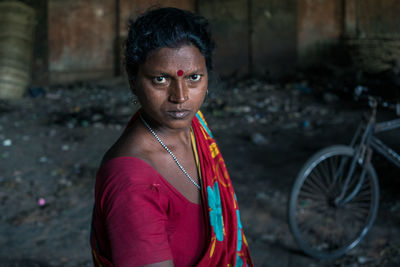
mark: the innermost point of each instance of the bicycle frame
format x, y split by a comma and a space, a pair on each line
363, 152
383, 149
374, 142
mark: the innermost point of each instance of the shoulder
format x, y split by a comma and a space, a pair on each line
128, 180
126, 171
133, 143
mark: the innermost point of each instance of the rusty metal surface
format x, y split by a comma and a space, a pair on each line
135, 7
81, 36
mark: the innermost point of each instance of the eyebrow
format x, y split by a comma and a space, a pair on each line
157, 73
186, 73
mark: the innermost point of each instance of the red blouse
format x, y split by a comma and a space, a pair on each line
140, 218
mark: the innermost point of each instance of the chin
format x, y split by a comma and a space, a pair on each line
179, 123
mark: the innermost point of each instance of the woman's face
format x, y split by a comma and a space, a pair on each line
171, 85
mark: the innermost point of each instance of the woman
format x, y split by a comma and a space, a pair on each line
163, 196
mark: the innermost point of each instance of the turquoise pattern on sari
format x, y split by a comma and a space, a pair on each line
203, 123
216, 219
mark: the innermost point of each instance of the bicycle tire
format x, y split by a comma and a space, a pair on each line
334, 234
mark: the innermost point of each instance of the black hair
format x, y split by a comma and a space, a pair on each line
166, 27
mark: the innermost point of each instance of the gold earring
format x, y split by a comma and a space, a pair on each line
134, 100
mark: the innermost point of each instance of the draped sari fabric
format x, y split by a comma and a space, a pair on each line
227, 245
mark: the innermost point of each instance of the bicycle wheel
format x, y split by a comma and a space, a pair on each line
321, 227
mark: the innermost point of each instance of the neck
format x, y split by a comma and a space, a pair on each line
172, 136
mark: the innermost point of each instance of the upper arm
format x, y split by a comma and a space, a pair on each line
136, 224
168, 263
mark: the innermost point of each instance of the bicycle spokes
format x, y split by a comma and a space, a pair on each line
323, 222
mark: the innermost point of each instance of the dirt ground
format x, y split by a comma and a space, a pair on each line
53, 139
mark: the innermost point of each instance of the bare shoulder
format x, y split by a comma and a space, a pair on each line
132, 143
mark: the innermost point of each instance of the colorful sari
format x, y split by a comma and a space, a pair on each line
227, 243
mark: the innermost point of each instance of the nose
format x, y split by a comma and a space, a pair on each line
179, 92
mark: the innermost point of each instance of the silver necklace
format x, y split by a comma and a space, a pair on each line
170, 152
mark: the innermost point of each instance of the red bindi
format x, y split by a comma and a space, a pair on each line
179, 72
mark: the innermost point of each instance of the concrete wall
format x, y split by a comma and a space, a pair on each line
81, 38
319, 26
273, 37
230, 28
133, 8
254, 37
378, 18
367, 31
264, 38
375, 42
85, 37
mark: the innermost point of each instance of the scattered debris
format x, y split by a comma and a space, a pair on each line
7, 142
259, 139
36, 91
41, 202
330, 98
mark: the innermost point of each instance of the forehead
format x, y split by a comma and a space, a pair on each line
186, 58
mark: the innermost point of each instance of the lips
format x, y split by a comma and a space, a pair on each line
178, 114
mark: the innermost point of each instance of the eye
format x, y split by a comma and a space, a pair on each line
195, 77
160, 79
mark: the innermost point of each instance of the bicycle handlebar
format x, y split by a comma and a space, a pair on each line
374, 101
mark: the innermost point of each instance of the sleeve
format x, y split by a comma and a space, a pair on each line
136, 224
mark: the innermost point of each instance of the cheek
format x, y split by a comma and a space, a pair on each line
145, 91
205, 87
154, 99
201, 93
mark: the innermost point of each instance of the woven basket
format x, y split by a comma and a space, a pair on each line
17, 23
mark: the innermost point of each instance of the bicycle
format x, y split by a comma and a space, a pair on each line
334, 199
